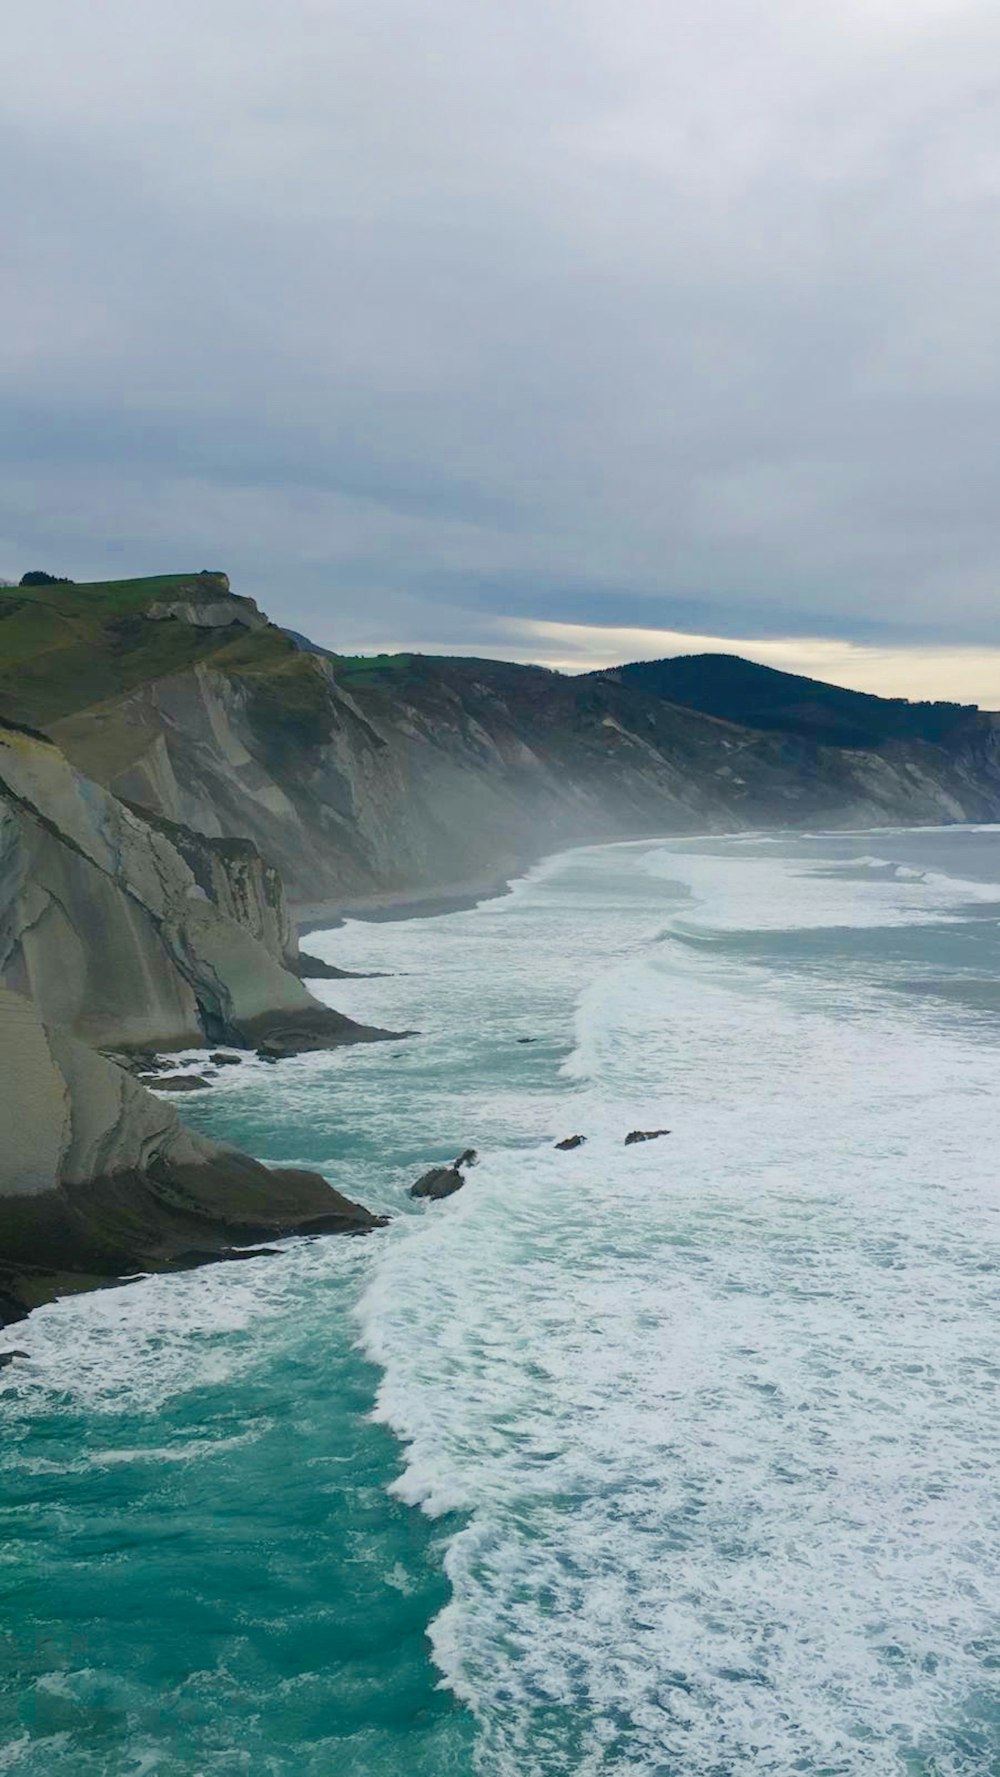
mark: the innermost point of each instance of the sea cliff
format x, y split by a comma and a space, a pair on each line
100, 1180
409, 774
132, 933
181, 780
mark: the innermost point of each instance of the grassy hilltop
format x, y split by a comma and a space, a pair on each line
63, 648
67, 647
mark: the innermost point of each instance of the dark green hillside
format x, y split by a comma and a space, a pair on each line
761, 697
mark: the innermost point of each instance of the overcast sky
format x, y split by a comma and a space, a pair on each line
558, 329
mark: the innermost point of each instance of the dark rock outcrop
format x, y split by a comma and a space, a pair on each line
440, 1181
444, 1181
175, 1082
276, 1035
143, 1063
644, 1135
312, 968
571, 1141
100, 1179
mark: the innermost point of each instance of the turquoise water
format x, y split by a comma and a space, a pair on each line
676, 1460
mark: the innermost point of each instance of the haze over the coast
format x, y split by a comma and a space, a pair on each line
499, 1222
547, 333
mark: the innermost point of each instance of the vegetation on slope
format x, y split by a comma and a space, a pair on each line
356, 774
787, 703
64, 647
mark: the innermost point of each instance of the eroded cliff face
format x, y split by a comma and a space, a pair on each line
361, 777
195, 757
123, 929
427, 773
132, 934
99, 1179
241, 883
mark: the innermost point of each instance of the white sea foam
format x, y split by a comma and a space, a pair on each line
14, 1751
137, 1345
766, 894
719, 1410
716, 1415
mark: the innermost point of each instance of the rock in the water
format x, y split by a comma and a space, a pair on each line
276, 1037
441, 1181
644, 1135
175, 1082
7, 1357
223, 1060
527, 1039
572, 1141
312, 968
444, 1181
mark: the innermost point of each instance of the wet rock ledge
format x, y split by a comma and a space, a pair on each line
444, 1181
100, 1180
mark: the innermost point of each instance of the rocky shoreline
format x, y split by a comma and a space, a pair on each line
126, 939
170, 760
101, 1180
460, 897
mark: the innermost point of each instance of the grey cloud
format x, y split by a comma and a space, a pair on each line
419, 314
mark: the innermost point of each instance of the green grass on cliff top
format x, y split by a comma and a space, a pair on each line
66, 648
367, 669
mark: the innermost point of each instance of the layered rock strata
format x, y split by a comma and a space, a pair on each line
418, 776
99, 1179
133, 934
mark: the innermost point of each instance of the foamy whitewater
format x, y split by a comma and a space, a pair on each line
674, 1460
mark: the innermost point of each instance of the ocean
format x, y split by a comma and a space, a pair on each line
677, 1459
